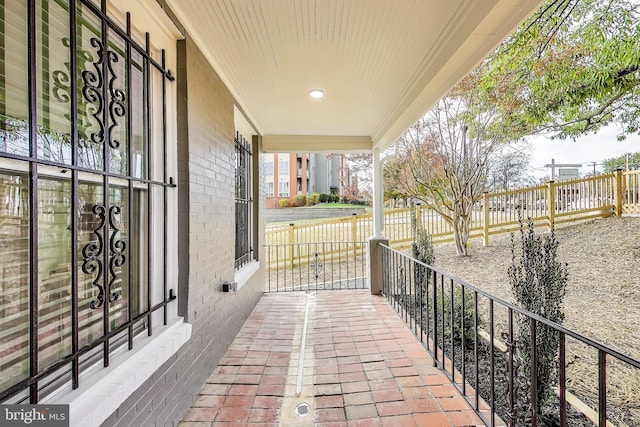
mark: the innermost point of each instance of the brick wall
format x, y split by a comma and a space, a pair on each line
206, 248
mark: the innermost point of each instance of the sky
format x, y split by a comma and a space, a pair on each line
585, 150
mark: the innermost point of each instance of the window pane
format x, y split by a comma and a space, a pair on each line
119, 256
139, 146
116, 106
91, 128
14, 134
139, 250
14, 278
53, 81
90, 259
54, 270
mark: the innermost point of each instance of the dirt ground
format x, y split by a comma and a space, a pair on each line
602, 300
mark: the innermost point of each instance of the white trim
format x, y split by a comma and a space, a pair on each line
104, 390
243, 275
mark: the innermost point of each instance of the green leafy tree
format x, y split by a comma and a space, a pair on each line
571, 69
630, 160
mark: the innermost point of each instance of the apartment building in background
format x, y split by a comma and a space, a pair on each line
289, 174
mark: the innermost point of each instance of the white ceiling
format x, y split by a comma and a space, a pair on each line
381, 63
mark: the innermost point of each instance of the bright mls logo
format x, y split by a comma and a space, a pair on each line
34, 415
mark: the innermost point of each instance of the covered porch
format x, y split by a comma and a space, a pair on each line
328, 358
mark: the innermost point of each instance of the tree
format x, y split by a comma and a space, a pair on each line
572, 68
629, 160
391, 176
445, 155
509, 168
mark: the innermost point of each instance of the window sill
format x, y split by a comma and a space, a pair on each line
103, 391
243, 275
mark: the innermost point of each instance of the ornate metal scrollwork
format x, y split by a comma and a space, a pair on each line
318, 267
91, 91
117, 248
93, 255
116, 101
93, 82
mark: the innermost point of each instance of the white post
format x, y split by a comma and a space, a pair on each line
378, 195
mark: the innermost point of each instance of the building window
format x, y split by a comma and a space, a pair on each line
244, 203
283, 165
268, 168
269, 189
84, 186
283, 189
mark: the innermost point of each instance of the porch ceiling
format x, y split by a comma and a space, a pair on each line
381, 63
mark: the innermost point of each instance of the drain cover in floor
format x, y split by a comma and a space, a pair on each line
302, 410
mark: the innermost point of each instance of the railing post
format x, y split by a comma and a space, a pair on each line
354, 228
485, 227
551, 208
618, 192
291, 241
374, 264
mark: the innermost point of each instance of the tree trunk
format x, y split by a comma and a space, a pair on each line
460, 233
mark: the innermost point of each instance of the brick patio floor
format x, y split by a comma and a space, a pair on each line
361, 366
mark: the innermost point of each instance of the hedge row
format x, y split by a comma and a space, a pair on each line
312, 199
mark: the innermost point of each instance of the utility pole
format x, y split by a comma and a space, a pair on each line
553, 165
594, 167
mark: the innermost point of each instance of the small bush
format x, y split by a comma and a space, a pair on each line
539, 282
283, 203
313, 199
299, 200
323, 198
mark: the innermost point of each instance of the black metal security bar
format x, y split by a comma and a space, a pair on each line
244, 202
78, 255
451, 322
320, 266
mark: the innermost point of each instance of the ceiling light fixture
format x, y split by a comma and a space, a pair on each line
316, 93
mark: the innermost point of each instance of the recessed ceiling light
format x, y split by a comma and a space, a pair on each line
316, 93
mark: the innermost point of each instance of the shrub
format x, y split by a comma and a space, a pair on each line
283, 203
422, 250
313, 199
299, 200
539, 282
323, 198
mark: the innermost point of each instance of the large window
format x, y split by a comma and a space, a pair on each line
269, 189
84, 184
244, 202
283, 189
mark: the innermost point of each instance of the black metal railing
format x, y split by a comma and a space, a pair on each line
315, 266
458, 323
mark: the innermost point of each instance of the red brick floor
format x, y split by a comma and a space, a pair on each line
362, 367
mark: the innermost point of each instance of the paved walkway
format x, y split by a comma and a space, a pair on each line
354, 364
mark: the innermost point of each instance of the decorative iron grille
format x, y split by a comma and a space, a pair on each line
79, 264
244, 202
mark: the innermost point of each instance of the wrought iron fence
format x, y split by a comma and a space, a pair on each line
315, 266
458, 322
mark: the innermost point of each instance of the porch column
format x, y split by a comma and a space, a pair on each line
378, 195
374, 259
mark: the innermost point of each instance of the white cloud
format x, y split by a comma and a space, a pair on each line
585, 150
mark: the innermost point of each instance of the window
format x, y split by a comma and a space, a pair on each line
84, 184
269, 190
268, 168
244, 203
283, 165
283, 189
